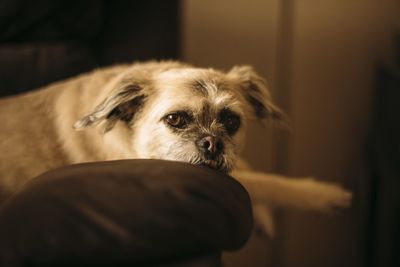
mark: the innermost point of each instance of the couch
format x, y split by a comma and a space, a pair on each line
125, 213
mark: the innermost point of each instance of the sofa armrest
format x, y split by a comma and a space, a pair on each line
135, 212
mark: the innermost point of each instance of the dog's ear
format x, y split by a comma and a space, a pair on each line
255, 91
122, 104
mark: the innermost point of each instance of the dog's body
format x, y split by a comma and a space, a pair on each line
164, 110
30, 139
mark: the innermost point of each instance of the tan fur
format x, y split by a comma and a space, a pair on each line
72, 121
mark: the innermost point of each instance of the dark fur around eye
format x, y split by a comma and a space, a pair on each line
230, 120
178, 119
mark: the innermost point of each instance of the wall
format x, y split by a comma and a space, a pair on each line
335, 48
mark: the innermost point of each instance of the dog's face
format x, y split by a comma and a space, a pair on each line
181, 113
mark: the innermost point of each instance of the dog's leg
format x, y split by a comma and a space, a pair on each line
302, 193
264, 219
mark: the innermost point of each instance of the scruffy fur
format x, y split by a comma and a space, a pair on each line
120, 113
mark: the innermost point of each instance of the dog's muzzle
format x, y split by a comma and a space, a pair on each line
212, 147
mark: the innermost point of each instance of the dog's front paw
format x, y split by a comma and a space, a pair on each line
323, 196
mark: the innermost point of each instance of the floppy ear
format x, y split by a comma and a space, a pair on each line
254, 88
122, 104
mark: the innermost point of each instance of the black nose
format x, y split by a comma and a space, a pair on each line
211, 145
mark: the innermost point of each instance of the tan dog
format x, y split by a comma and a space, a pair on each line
162, 110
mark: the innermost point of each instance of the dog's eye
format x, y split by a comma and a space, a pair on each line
230, 120
177, 119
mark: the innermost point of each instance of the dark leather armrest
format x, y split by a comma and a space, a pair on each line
128, 212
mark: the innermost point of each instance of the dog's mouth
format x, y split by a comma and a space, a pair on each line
214, 164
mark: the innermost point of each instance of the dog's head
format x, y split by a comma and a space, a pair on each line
177, 112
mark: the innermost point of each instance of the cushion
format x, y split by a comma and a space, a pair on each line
126, 212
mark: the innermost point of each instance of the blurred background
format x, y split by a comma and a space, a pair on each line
333, 66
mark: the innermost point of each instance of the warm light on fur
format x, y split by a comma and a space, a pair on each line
119, 113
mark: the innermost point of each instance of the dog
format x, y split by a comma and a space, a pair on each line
157, 110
